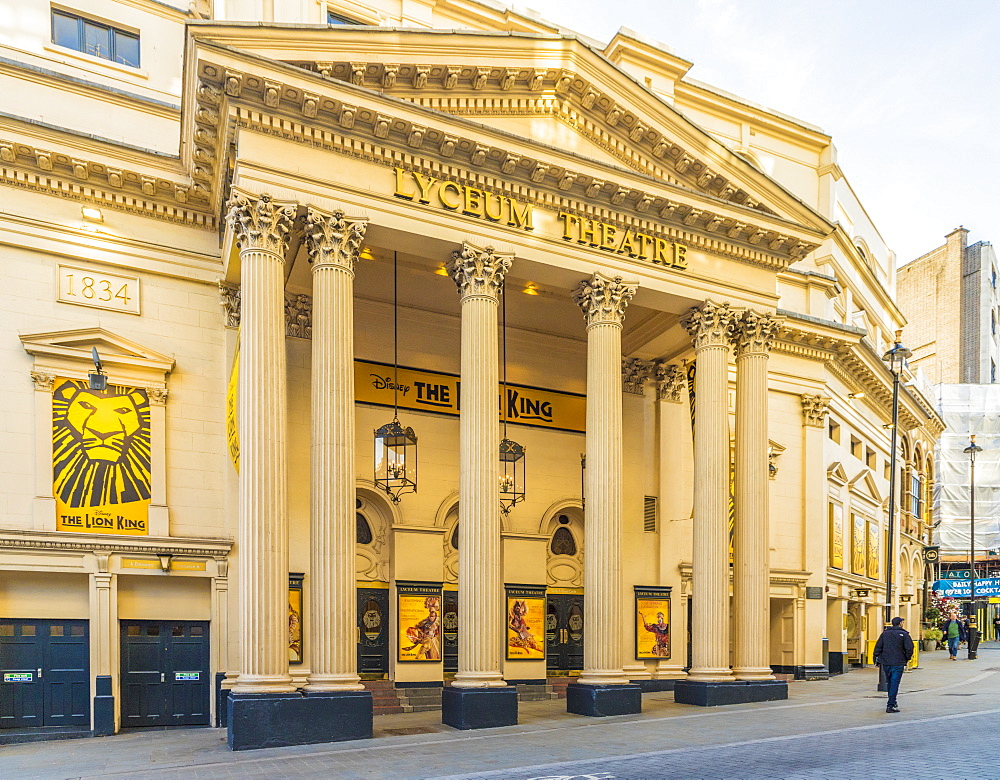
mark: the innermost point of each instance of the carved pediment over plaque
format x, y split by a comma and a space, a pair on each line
72, 349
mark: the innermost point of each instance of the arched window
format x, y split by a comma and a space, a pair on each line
454, 537
562, 542
364, 532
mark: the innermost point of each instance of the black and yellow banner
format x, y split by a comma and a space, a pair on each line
431, 391
100, 458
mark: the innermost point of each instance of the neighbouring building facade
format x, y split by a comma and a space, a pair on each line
315, 247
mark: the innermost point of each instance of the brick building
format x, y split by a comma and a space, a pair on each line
949, 297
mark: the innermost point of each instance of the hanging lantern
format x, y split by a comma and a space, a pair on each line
396, 460
395, 446
511, 474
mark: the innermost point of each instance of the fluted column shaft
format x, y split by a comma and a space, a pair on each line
333, 242
479, 274
710, 326
751, 564
603, 300
260, 228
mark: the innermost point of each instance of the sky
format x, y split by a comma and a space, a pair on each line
908, 89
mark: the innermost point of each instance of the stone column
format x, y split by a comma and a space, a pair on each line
159, 518
753, 334
104, 644
333, 242
260, 228
603, 300
674, 446
710, 326
479, 274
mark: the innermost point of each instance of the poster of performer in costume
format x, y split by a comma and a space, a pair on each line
525, 623
652, 628
419, 611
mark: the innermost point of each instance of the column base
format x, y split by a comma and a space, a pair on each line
479, 708
104, 707
804, 671
220, 701
652, 686
264, 720
715, 694
600, 701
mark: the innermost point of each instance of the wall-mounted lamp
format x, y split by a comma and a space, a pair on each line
92, 214
906, 598
854, 396
860, 593
530, 289
165, 560
98, 380
442, 270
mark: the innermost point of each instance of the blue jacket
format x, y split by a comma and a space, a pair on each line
962, 635
894, 647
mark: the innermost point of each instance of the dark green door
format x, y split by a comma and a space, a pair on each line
564, 633
449, 625
165, 675
373, 633
44, 673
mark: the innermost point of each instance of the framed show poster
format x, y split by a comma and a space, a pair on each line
295, 617
525, 622
652, 622
873, 549
418, 610
858, 556
836, 536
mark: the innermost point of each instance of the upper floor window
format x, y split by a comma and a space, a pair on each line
95, 38
332, 18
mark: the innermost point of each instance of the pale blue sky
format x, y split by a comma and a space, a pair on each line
909, 90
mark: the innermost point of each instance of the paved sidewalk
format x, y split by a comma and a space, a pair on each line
845, 714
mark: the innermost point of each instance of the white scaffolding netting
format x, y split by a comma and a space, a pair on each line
968, 409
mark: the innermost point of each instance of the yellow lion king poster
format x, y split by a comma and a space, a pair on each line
100, 458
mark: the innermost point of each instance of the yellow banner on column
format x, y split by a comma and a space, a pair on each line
100, 458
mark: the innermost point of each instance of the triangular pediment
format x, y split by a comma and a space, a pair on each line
545, 110
67, 346
865, 486
836, 473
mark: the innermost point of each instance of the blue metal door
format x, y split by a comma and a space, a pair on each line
373, 633
165, 676
44, 673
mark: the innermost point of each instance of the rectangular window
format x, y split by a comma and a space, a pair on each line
870, 458
834, 432
856, 447
95, 38
917, 496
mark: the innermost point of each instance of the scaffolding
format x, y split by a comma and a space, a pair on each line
966, 410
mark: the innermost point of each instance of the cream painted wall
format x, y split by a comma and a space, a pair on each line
164, 597
44, 594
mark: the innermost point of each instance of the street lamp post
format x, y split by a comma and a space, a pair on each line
895, 357
972, 450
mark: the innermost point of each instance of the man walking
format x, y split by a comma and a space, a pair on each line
954, 632
893, 651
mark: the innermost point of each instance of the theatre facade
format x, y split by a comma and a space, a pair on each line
445, 364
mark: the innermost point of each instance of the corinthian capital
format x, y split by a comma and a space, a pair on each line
753, 332
635, 372
669, 382
479, 272
259, 222
333, 239
604, 299
814, 410
710, 325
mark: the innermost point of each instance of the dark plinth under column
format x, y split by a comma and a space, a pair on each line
652, 686
104, 707
220, 701
715, 694
479, 708
599, 701
263, 720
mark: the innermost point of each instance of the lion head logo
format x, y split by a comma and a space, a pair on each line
100, 444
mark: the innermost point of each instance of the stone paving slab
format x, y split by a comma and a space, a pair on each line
816, 713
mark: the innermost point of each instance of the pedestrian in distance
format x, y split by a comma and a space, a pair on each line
996, 627
954, 632
893, 651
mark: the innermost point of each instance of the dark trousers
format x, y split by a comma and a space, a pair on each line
893, 675
953, 646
